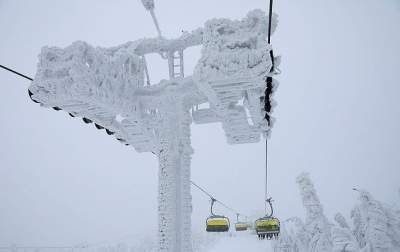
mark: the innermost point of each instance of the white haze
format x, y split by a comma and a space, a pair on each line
63, 182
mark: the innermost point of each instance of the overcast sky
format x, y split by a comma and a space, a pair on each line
63, 182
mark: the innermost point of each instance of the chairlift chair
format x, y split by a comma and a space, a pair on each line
240, 226
217, 223
268, 226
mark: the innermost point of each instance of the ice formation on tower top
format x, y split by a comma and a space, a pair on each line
99, 84
235, 49
231, 73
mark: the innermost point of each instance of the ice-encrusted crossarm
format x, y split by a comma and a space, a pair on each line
231, 73
98, 85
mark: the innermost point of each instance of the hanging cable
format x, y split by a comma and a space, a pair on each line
266, 175
271, 52
17, 73
201, 189
267, 102
215, 200
270, 21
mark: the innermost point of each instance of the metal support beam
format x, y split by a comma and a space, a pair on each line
174, 180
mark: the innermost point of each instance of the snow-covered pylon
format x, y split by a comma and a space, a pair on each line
174, 179
106, 86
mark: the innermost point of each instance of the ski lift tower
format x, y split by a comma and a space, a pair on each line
111, 88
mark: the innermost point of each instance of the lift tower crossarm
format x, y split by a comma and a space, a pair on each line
162, 45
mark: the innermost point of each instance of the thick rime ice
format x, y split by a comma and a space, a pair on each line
294, 236
174, 178
107, 87
376, 227
342, 236
231, 73
317, 225
96, 84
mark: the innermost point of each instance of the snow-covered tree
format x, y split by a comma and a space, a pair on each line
376, 226
339, 218
342, 237
286, 242
294, 236
393, 226
316, 225
359, 227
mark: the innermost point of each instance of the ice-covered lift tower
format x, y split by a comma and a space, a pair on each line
107, 86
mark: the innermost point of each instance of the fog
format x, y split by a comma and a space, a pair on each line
63, 182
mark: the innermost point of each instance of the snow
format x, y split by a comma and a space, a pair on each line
241, 242
202, 242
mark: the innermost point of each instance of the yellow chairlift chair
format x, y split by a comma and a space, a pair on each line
240, 226
217, 223
268, 226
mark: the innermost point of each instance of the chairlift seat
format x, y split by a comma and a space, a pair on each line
241, 226
217, 223
267, 225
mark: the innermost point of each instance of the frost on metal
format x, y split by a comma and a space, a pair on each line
174, 180
98, 85
231, 73
111, 88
